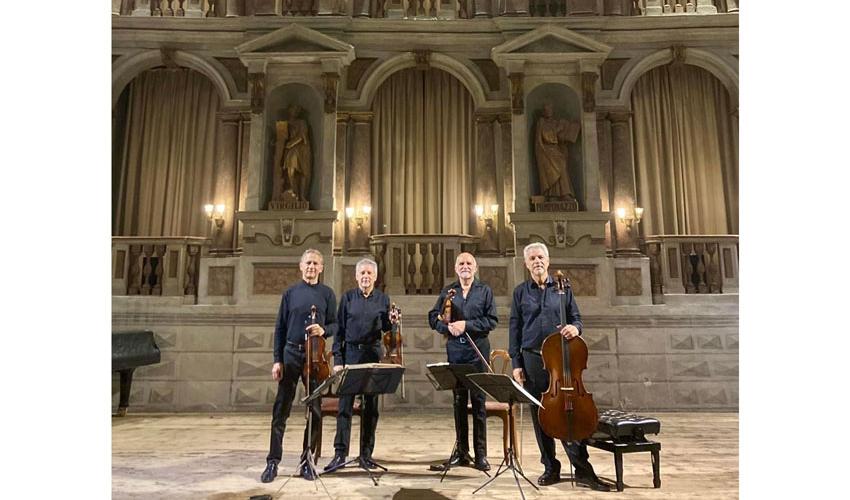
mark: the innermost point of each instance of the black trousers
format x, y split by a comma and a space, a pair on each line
293, 364
459, 351
368, 411
536, 382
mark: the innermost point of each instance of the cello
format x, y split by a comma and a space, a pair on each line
393, 343
316, 369
568, 411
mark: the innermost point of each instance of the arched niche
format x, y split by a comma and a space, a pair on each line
566, 104
277, 103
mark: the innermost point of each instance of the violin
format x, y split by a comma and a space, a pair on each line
393, 343
568, 410
446, 317
316, 368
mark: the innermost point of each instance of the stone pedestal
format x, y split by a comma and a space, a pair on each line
287, 232
567, 234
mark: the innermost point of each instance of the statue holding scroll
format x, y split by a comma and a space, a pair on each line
550, 148
293, 160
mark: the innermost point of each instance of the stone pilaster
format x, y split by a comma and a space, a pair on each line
590, 148
359, 181
340, 196
225, 188
606, 191
623, 182
484, 184
505, 180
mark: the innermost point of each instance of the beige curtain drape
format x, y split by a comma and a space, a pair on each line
686, 152
166, 173
422, 146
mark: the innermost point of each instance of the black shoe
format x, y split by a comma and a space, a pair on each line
549, 477
368, 463
270, 473
307, 473
593, 483
481, 463
337, 462
458, 459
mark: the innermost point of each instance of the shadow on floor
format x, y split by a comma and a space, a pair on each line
418, 494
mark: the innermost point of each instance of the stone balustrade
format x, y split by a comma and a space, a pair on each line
418, 264
693, 263
419, 9
166, 266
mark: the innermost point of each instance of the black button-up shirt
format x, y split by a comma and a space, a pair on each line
477, 309
361, 320
294, 314
536, 314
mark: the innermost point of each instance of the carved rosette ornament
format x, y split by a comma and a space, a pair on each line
257, 84
331, 80
517, 104
588, 91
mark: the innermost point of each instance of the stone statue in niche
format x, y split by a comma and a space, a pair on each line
293, 162
551, 138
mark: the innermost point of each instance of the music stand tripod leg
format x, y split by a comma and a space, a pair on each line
308, 456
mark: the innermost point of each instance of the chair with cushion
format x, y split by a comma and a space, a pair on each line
500, 361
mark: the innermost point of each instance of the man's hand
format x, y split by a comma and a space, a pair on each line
337, 368
277, 372
315, 330
457, 328
569, 331
519, 375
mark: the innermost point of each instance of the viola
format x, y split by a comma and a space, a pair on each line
568, 411
316, 368
393, 343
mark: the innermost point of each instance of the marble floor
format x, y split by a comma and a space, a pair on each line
221, 456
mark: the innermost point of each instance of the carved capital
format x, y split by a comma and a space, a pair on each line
619, 116
331, 81
486, 117
257, 85
362, 116
423, 59
588, 91
517, 104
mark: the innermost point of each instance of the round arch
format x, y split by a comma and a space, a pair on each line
125, 68
407, 60
708, 61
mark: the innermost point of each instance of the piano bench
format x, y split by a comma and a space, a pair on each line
620, 432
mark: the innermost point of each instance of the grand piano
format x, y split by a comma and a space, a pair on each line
131, 350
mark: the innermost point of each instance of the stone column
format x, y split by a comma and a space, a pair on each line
484, 184
606, 191
225, 188
340, 195
235, 8
359, 181
515, 8
590, 148
505, 180
142, 8
482, 8
256, 174
623, 182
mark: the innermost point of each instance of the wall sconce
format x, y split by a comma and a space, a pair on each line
633, 218
488, 218
359, 215
215, 213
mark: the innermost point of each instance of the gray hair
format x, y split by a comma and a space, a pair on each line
366, 262
531, 246
313, 251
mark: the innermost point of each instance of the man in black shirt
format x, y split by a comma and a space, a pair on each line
474, 312
293, 323
363, 317
535, 314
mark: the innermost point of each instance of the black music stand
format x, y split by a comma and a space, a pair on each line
504, 389
308, 459
444, 377
368, 378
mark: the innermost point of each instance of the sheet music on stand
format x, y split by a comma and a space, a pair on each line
370, 378
447, 376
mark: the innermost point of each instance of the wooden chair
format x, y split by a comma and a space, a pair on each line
500, 361
330, 407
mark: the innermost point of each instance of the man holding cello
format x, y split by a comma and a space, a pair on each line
364, 314
535, 315
307, 308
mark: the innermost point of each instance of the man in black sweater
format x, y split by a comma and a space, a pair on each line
293, 324
363, 317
